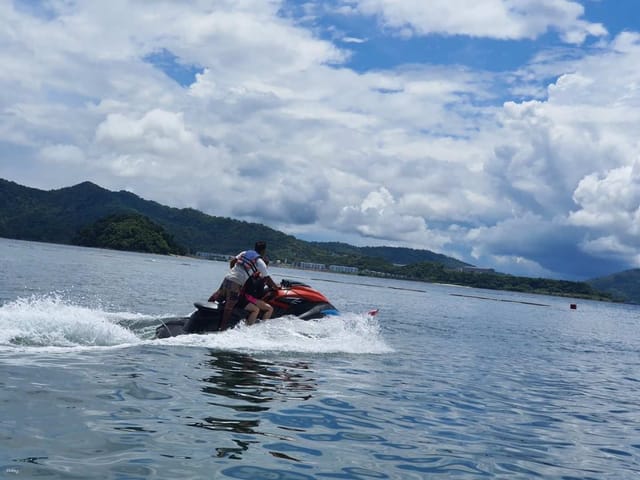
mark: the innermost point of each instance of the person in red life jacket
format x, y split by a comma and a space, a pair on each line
243, 266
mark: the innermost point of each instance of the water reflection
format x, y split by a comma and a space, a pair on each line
240, 388
240, 377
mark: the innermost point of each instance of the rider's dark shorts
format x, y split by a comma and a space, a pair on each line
230, 290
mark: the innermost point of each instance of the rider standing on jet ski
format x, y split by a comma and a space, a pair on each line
244, 265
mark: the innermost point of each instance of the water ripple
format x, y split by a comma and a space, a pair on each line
468, 390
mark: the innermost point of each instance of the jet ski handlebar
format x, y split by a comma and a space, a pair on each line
285, 283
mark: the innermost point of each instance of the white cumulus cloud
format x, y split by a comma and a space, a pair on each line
272, 124
501, 19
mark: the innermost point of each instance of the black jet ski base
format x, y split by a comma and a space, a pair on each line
206, 319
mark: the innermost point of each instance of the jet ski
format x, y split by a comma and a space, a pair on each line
291, 298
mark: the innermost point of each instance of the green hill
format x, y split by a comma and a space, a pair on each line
130, 232
395, 255
58, 216
623, 285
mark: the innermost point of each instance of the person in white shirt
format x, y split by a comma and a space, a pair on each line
244, 265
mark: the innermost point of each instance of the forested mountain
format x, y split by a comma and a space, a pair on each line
624, 285
395, 255
59, 215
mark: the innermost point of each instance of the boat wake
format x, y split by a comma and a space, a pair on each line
347, 333
50, 322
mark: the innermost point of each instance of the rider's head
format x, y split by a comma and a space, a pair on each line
260, 247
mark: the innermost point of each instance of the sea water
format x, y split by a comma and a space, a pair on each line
445, 382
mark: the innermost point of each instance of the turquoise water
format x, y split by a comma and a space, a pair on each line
446, 382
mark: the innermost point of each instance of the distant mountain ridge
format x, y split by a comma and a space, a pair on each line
58, 215
624, 285
395, 255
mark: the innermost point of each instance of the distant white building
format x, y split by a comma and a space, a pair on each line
312, 266
343, 269
213, 256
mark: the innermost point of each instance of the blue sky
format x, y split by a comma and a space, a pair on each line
502, 132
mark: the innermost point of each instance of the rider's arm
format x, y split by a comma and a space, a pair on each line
264, 273
272, 285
